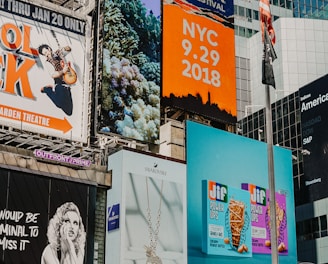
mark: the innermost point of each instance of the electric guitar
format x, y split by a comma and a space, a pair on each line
69, 77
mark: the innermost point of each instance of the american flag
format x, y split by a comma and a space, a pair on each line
266, 20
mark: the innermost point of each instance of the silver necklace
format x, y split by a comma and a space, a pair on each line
152, 258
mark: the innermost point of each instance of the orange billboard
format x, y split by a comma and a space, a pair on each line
198, 61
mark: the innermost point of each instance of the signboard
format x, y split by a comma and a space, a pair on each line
261, 223
40, 95
221, 7
200, 76
113, 213
230, 160
151, 224
130, 98
36, 212
227, 220
314, 122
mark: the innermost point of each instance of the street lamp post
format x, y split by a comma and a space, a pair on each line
272, 188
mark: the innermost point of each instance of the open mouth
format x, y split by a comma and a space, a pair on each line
70, 234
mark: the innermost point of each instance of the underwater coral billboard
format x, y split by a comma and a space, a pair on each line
199, 60
130, 94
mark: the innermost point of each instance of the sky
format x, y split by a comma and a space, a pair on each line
154, 5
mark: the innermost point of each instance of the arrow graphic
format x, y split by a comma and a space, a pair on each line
35, 118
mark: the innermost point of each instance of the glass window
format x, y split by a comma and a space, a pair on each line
250, 125
286, 123
279, 124
323, 222
278, 110
274, 116
241, 11
249, 13
244, 127
282, 3
291, 105
274, 139
307, 229
274, 126
236, 28
249, 32
292, 119
242, 32
293, 140
255, 14
323, 225
280, 137
243, 74
285, 108
286, 133
242, 63
315, 227
261, 120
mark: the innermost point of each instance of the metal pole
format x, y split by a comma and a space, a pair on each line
272, 205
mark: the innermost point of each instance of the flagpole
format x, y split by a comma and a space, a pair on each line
272, 204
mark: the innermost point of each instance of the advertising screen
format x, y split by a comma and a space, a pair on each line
314, 123
231, 161
37, 212
43, 62
199, 60
146, 210
131, 76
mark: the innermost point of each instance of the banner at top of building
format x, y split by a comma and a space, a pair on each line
199, 61
43, 85
222, 7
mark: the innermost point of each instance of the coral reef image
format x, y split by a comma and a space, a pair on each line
130, 94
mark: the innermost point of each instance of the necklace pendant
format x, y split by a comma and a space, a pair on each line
151, 256
153, 260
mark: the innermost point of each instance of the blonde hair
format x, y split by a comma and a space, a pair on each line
56, 222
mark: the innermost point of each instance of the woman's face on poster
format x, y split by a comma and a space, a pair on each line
71, 224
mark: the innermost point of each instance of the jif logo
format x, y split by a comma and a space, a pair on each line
217, 191
258, 194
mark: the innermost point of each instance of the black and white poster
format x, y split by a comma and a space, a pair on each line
45, 220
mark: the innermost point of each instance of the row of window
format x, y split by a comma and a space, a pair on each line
317, 9
286, 132
244, 32
312, 228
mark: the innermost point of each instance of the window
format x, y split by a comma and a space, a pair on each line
249, 13
241, 11
323, 225
312, 228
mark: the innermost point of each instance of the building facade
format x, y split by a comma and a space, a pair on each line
311, 214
